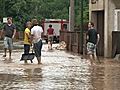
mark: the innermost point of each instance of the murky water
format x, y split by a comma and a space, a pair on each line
59, 71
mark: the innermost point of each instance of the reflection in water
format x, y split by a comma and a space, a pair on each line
28, 80
73, 76
7, 61
112, 78
7, 80
33, 74
62, 77
97, 77
59, 71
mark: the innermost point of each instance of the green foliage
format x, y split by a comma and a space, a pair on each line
1, 26
24, 10
78, 11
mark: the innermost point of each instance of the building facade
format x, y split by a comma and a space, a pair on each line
106, 16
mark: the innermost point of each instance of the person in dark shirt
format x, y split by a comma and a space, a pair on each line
50, 33
9, 34
92, 41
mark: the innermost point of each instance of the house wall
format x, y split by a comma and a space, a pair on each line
109, 23
108, 6
98, 5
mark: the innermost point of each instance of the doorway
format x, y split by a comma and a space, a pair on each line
98, 19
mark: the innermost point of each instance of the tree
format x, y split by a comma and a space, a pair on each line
24, 10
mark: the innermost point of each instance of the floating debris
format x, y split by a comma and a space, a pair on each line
62, 45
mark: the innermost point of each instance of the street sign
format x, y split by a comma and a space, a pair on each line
5, 20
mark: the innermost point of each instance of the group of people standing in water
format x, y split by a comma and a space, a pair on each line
33, 36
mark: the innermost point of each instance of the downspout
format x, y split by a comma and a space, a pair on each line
106, 7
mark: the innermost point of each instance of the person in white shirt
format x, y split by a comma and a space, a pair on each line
36, 33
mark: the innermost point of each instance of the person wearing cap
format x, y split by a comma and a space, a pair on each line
9, 31
36, 37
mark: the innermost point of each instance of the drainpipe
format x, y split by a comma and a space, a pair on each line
106, 28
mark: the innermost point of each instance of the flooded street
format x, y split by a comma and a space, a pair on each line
59, 71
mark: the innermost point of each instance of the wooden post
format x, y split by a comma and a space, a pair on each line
82, 27
71, 16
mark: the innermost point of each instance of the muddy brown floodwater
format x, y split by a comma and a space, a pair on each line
59, 71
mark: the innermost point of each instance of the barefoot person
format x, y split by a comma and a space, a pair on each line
50, 34
36, 33
9, 31
27, 39
93, 39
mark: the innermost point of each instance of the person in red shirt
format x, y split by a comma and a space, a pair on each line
50, 33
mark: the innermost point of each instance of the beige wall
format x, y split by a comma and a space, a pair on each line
95, 7
109, 29
109, 23
117, 3
99, 5
109, 6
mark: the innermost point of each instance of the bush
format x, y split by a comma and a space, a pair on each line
1, 26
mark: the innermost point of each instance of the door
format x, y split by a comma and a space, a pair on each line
100, 30
98, 19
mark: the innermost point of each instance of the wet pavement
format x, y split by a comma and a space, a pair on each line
59, 71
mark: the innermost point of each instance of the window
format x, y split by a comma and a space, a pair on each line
117, 20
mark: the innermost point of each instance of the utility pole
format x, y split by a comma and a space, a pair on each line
71, 15
81, 27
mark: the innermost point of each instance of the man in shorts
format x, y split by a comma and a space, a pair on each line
9, 34
50, 33
93, 39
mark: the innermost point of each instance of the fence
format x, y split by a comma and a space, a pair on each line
73, 41
19, 35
